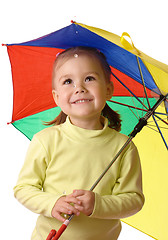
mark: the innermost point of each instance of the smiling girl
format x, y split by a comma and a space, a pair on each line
64, 160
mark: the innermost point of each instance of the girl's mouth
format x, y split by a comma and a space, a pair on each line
82, 101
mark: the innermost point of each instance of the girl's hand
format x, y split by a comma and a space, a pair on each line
63, 205
87, 199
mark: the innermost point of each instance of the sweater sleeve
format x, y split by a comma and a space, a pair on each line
127, 197
29, 187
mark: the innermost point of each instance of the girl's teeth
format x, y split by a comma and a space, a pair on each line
80, 101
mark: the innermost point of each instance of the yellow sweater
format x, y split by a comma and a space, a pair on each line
65, 157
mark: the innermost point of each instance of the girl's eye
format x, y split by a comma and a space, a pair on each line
67, 81
89, 78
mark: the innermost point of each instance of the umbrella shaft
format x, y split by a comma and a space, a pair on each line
111, 163
151, 111
143, 121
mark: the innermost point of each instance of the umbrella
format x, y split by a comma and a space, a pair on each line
139, 86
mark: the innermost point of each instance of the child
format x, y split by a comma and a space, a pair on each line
64, 160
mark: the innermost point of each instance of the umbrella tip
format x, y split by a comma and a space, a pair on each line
4, 44
72, 21
51, 234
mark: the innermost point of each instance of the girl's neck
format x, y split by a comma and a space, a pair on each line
88, 124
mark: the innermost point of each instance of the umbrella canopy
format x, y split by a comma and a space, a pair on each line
135, 76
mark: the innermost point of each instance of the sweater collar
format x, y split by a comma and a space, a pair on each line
81, 134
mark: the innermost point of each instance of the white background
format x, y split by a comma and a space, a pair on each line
146, 21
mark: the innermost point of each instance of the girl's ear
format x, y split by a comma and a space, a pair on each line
55, 96
110, 90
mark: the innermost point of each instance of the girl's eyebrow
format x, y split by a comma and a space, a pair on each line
96, 73
66, 76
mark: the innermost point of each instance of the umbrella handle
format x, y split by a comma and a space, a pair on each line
53, 235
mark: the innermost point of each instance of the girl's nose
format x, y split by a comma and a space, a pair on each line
79, 88
79, 91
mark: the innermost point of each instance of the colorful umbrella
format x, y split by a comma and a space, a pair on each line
139, 83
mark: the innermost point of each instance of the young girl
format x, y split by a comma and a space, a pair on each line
64, 160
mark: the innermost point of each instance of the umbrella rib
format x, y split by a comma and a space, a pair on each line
135, 107
161, 119
160, 131
141, 109
134, 113
129, 90
159, 126
151, 128
165, 114
126, 105
143, 82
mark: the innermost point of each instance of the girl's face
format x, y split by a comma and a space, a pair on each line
81, 90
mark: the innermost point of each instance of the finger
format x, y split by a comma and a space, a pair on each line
72, 210
69, 209
58, 217
79, 192
66, 201
72, 199
79, 208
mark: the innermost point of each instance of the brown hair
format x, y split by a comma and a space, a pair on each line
112, 116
